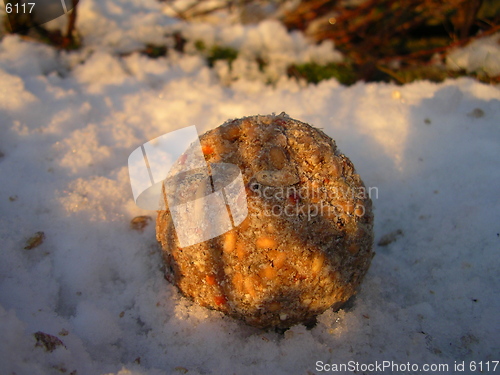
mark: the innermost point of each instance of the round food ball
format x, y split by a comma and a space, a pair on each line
306, 242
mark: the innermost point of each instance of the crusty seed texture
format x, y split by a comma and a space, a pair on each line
306, 243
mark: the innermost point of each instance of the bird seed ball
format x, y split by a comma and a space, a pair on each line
306, 242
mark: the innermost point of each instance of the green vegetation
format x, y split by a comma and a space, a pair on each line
155, 51
314, 73
375, 36
216, 53
221, 53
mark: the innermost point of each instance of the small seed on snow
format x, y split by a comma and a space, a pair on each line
35, 240
138, 223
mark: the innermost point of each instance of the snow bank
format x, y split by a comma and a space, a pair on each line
68, 124
480, 55
122, 25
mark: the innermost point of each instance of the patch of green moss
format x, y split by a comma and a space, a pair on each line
200, 45
221, 53
315, 73
216, 52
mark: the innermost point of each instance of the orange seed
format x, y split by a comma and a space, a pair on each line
229, 242
220, 300
210, 279
266, 242
268, 272
241, 250
207, 149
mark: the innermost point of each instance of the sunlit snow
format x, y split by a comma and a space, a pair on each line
69, 121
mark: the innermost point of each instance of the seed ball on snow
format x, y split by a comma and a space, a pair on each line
306, 242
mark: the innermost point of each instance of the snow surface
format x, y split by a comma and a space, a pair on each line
68, 122
480, 55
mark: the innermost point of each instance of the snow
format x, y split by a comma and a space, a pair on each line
69, 120
268, 41
480, 55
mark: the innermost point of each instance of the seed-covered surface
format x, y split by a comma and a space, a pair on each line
307, 241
